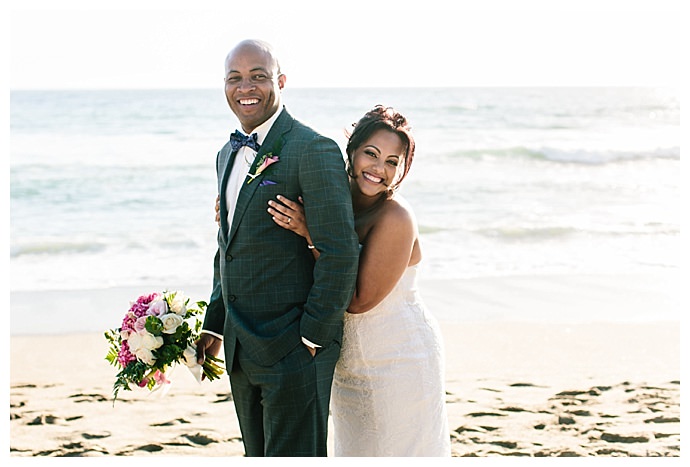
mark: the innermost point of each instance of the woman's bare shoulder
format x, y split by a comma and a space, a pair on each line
396, 213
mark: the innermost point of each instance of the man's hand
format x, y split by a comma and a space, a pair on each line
207, 344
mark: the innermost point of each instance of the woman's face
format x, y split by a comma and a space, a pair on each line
377, 163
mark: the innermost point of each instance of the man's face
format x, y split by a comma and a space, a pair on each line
252, 85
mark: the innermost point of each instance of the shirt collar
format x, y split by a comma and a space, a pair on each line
263, 129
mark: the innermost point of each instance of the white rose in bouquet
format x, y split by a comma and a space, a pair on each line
141, 344
170, 322
143, 340
145, 355
178, 304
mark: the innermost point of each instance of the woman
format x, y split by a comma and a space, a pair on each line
388, 395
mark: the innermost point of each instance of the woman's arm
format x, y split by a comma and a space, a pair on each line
383, 258
385, 255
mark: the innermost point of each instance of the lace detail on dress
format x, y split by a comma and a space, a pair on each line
388, 391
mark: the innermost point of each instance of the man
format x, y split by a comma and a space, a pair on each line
276, 310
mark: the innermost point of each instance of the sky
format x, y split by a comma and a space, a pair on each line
354, 43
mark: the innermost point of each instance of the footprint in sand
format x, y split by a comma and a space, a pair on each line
223, 398
89, 398
580, 413
104, 434
177, 421
523, 385
663, 420
150, 448
514, 409
505, 444
566, 420
44, 420
50, 419
485, 414
475, 429
627, 438
78, 449
201, 439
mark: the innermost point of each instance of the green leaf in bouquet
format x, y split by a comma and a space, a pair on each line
181, 333
113, 337
111, 357
168, 354
154, 325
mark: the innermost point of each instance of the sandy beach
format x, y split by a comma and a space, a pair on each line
514, 388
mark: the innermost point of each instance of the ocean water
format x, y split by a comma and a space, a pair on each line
116, 188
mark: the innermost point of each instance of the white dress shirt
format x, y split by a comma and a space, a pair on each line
243, 161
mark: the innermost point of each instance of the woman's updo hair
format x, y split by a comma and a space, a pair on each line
382, 118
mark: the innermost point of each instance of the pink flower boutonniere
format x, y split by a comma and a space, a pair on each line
265, 161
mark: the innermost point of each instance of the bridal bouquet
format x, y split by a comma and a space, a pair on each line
158, 331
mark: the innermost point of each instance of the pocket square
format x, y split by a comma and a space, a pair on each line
266, 182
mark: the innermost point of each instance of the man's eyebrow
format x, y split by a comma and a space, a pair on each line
253, 70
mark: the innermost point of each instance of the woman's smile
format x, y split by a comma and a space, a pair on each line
372, 178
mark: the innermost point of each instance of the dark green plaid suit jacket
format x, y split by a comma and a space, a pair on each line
268, 291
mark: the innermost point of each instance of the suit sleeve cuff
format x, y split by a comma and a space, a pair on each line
206, 331
309, 343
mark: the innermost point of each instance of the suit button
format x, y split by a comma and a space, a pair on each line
228, 257
232, 298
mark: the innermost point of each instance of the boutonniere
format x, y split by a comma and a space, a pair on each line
265, 161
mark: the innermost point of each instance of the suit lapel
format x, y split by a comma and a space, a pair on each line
225, 170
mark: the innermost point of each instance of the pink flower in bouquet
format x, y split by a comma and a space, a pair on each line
124, 356
128, 323
141, 306
140, 324
138, 309
158, 376
158, 307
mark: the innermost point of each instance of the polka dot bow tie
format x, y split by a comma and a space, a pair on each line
237, 140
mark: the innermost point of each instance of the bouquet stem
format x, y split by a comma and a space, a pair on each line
211, 369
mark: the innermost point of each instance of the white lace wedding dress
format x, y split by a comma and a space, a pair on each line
388, 395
